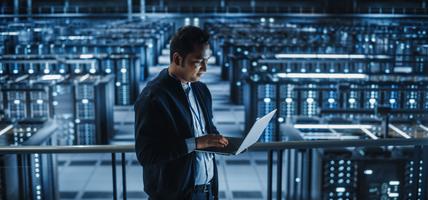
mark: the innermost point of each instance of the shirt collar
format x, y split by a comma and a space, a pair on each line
183, 85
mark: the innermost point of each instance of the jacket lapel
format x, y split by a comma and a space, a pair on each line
174, 87
186, 107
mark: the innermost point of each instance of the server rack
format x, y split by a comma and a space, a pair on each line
348, 174
123, 65
93, 109
63, 111
127, 73
72, 100
240, 67
312, 99
23, 101
263, 102
354, 173
28, 176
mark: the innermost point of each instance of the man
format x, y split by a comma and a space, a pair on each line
173, 119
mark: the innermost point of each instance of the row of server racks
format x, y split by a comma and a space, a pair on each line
84, 104
123, 68
334, 79
59, 83
134, 46
111, 57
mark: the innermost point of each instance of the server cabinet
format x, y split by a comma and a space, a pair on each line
93, 113
126, 79
397, 174
28, 176
261, 100
23, 101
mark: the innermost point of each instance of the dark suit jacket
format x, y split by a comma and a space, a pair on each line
163, 121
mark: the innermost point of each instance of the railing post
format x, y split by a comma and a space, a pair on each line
287, 174
113, 168
22, 176
123, 176
279, 174
305, 192
384, 111
269, 175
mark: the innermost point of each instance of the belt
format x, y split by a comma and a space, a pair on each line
202, 188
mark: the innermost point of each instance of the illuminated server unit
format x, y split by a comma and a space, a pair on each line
263, 99
83, 105
334, 174
355, 172
122, 66
93, 109
240, 64
234, 52
126, 78
22, 101
28, 176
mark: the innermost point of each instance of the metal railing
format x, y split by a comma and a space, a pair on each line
271, 148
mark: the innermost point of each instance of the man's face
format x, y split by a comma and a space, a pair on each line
195, 63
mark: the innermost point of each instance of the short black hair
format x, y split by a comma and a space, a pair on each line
185, 40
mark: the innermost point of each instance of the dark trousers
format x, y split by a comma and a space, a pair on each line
206, 194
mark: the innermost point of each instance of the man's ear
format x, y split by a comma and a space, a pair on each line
176, 58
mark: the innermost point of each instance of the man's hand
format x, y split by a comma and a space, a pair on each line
211, 140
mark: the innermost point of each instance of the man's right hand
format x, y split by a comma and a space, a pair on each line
211, 140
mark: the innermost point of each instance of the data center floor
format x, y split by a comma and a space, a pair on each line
88, 176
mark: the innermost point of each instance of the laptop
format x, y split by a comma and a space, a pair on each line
238, 145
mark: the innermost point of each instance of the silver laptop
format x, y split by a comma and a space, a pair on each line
238, 145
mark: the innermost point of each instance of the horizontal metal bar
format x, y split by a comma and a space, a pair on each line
312, 144
68, 149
